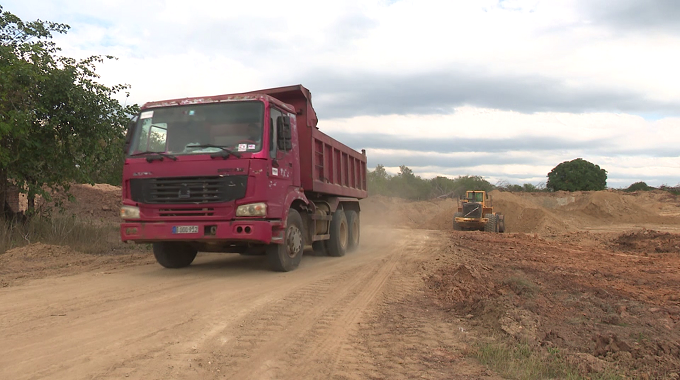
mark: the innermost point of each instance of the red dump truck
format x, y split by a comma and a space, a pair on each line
247, 173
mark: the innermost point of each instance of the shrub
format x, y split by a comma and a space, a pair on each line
577, 175
639, 186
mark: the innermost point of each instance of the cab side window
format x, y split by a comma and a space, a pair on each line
273, 116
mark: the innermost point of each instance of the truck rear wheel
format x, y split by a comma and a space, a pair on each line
501, 223
287, 256
456, 226
337, 245
491, 225
174, 254
354, 229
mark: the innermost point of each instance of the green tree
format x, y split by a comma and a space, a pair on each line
474, 182
639, 186
378, 180
58, 125
577, 175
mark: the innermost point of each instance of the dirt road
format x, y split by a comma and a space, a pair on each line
583, 284
228, 317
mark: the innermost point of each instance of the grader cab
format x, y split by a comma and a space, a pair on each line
475, 212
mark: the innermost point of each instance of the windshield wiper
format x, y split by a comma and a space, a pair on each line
159, 156
224, 153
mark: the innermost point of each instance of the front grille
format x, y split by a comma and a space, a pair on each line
472, 210
204, 211
183, 190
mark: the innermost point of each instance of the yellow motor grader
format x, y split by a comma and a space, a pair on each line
475, 212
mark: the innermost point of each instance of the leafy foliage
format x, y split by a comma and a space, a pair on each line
577, 175
639, 186
58, 125
406, 184
526, 188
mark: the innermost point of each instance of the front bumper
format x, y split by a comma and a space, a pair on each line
471, 222
250, 231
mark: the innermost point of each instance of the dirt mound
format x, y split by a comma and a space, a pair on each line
647, 241
396, 212
523, 215
546, 214
612, 206
36, 251
39, 260
601, 208
99, 203
600, 309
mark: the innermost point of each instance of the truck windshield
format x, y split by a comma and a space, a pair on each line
200, 129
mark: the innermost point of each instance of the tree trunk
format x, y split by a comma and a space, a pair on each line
4, 209
30, 209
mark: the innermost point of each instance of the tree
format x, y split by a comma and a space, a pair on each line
639, 186
577, 175
57, 124
377, 180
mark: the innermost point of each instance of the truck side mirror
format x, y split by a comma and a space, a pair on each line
283, 133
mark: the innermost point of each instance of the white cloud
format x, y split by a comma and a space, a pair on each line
521, 51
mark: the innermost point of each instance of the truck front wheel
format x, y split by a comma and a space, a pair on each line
174, 254
337, 244
287, 256
491, 225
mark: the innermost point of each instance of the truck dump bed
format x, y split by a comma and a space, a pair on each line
326, 165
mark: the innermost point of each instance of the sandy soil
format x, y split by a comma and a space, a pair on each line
593, 275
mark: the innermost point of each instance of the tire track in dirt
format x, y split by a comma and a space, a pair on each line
318, 315
224, 317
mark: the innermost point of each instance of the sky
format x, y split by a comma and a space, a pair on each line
503, 89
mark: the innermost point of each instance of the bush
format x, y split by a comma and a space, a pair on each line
577, 175
407, 185
639, 186
514, 188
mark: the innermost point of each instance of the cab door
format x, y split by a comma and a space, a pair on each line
283, 153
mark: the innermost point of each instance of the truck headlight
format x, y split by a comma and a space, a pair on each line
253, 209
129, 212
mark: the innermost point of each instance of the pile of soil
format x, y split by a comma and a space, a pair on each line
98, 203
647, 242
600, 310
597, 209
545, 214
523, 214
39, 260
394, 212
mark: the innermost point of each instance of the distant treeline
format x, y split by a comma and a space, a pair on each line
406, 184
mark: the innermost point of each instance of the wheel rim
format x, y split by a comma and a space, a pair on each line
294, 240
343, 235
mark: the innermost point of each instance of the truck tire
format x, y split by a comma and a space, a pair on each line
287, 256
174, 254
501, 223
491, 225
354, 230
336, 246
456, 226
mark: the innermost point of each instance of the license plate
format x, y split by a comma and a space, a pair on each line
184, 229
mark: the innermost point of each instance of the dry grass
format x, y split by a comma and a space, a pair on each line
522, 361
79, 235
522, 286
